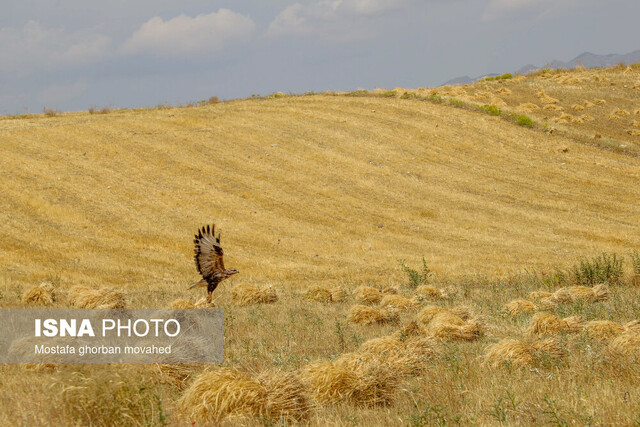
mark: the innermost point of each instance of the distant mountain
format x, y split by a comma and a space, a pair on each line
587, 59
591, 60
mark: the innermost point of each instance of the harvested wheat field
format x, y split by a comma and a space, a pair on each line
327, 205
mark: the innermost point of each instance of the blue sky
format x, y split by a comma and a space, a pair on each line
70, 54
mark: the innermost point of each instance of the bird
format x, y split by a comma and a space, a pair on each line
208, 258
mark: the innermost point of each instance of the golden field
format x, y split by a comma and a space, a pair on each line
333, 190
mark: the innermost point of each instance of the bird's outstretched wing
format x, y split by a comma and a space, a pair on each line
208, 252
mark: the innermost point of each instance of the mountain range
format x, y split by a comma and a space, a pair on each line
587, 59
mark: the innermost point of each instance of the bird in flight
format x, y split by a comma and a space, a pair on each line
208, 258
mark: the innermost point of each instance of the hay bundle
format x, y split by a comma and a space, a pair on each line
429, 291
518, 307
603, 329
390, 290
634, 325
528, 107
224, 392
429, 312
407, 357
600, 292
626, 345
546, 99
337, 294
178, 374
382, 345
360, 380
562, 296
587, 117
581, 293
545, 323
181, 303
522, 353
574, 324
552, 107
417, 351
448, 326
85, 297
44, 294
287, 398
365, 315
202, 303
249, 295
539, 295
410, 330
318, 294
367, 295
398, 302
462, 311
549, 324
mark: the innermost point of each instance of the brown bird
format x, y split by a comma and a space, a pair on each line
208, 257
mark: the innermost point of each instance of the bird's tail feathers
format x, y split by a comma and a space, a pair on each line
201, 283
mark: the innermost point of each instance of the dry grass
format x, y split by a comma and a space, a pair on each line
85, 297
44, 294
250, 295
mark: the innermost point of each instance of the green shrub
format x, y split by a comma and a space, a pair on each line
603, 268
635, 261
494, 110
387, 94
417, 278
502, 77
456, 102
524, 121
359, 92
408, 95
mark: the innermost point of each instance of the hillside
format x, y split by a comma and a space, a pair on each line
599, 107
306, 189
317, 195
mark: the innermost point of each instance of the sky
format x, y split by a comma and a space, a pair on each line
70, 55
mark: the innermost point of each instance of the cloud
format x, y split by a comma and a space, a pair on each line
334, 18
184, 35
34, 47
498, 9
